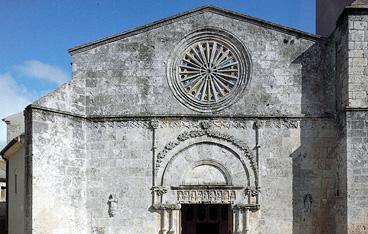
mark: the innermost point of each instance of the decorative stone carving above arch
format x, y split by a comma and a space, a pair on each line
183, 159
228, 167
205, 166
186, 139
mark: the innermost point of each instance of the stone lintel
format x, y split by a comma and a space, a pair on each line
194, 187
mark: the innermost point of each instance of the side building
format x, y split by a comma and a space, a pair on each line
14, 157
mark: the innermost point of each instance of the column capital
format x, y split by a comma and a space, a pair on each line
167, 206
243, 206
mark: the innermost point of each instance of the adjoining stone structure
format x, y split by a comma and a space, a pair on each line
206, 120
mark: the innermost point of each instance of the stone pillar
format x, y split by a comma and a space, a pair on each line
169, 217
174, 221
241, 224
164, 227
246, 220
239, 217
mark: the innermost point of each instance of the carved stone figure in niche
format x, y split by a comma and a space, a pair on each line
180, 196
205, 195
308, 203
232, 196
193, 196
199, 196
113, 205
212, 196
219, 195
226, 195
186, 195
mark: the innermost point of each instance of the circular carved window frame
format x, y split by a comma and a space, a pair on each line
240, 57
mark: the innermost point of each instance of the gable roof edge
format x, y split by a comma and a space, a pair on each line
195, 11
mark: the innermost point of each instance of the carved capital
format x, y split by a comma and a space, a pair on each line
252, 191
167, 206
159, 190
244, 206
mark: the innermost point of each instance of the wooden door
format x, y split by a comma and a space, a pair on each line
206, 219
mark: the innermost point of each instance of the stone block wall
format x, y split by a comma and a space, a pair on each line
119, 163
70, 97
285, 68
56, 180
297, 160
351, 38
357, 164
358, 60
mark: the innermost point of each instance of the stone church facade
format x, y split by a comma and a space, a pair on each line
208, 121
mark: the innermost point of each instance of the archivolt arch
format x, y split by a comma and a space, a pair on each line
194, 145
188, 151
188, 139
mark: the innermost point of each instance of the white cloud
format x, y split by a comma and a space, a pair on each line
45, 71
14, 96
13, 99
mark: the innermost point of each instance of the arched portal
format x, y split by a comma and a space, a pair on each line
208, 176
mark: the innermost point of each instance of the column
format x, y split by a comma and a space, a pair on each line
170, 211
174, 221
164, 227
246, 220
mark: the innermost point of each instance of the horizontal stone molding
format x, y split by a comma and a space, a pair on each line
148, 117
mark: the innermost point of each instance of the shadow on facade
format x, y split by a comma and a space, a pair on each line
313, 162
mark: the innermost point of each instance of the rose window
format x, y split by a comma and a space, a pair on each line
208, 72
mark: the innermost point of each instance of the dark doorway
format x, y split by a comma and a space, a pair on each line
207, 228
206, 219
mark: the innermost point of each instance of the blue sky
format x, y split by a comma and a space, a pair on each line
36, 34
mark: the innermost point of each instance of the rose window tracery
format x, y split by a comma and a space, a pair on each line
209, 71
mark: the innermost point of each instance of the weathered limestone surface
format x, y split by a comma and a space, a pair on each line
352, 40
114, 151
286, 69
358, 60
57, 179
357, 164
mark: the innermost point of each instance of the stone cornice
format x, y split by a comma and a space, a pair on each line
356, 10
175, 116
356, 109
352, 10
